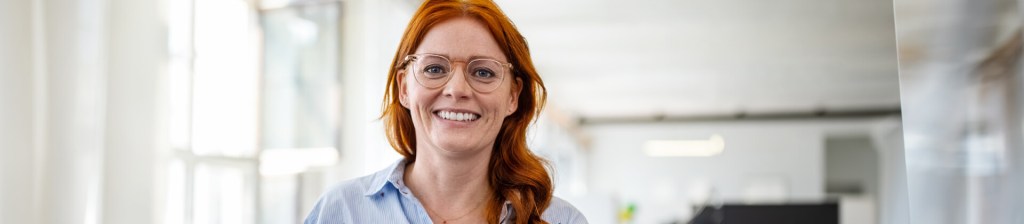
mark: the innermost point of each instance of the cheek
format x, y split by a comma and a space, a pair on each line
499, 107
415, 96
424, 99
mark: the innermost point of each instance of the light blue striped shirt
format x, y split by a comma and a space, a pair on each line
382, 197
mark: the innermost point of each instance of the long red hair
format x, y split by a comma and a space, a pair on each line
516, 174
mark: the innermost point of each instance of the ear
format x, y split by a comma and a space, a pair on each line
403, 91
517, 88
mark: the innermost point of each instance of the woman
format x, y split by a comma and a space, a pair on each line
460, 95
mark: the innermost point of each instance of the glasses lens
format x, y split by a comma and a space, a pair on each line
485, 75
432, 71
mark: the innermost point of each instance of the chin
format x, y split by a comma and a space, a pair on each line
458, 144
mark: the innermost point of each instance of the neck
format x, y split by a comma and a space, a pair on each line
450, 186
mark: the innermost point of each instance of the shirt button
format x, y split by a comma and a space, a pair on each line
382, 194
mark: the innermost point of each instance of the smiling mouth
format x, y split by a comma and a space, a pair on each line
457, 116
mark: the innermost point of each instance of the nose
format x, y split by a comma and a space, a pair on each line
458, 87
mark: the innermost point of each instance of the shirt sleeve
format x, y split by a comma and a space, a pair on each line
314, 214
561, 212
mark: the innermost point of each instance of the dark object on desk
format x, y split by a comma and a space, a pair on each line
817, 213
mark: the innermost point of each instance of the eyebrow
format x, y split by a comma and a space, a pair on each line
471, 57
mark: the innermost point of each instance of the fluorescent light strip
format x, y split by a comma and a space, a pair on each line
685, 148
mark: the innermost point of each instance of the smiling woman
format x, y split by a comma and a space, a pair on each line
460, 95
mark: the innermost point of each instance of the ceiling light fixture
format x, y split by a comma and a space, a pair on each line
685, 148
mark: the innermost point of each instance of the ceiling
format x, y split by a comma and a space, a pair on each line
612, 59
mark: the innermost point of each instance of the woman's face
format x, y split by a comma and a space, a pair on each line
455, 118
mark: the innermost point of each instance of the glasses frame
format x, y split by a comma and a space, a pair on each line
410, 59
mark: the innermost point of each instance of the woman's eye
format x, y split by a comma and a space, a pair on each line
434, 69
483, 73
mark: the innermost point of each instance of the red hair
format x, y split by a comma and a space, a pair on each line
515, 174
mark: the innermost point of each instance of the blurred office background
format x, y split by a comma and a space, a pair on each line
660, 111
962, 95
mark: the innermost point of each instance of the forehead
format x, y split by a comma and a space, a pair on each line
461, 38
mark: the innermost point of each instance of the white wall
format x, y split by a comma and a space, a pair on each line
137, 51
77, 127
16, 113
662, 188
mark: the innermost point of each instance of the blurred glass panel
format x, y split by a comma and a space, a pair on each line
179, 30
179, 94
223, 194
225, 87
279, 199
961, 89
174, 210
300, 103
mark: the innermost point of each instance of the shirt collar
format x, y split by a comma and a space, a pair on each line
391, 175
396, 172
506, 213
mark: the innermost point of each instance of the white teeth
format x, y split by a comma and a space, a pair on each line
448, 115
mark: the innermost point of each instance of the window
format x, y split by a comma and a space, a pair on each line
253, 106
300, 105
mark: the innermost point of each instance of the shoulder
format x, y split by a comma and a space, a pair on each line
335, 204
561, 212
349, 190
347, 199
360, 188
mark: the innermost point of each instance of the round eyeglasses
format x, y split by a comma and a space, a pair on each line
433, 71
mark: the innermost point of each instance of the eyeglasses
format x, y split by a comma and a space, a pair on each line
433, 71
